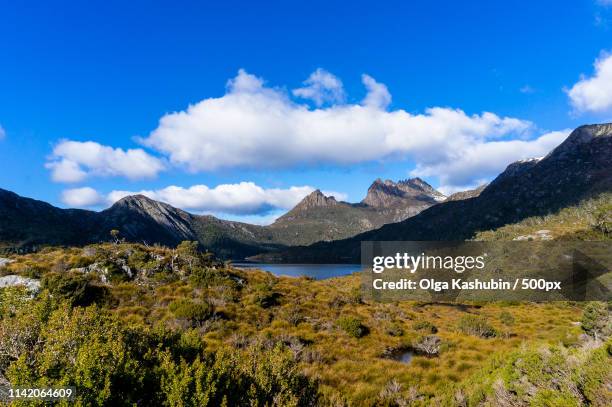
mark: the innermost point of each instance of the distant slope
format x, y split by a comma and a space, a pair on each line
579, 168
470, 193
26, 222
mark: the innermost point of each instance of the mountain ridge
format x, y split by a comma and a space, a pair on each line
579, 168
142, 219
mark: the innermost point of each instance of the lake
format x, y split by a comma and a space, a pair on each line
316, 271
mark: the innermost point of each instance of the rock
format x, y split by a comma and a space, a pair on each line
4, 262
13, 280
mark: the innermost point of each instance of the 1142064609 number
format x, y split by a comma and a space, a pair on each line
28, 393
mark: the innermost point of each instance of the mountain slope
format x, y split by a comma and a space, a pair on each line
26, 222
579, 168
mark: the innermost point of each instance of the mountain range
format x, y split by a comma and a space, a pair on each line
322, 229
27, 223
579, 168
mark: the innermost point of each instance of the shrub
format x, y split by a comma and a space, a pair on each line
428, 345
596, 320
353, 326
254, 377
506, 318
194, 312
79, 289
477, 326
265, 297
425, 326
395, 329
603, 218
208, 277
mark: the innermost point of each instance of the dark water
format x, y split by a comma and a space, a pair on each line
403, 356
316, 271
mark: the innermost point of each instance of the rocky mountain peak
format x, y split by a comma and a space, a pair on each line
388, 193
316, 199
590, 134
134, 211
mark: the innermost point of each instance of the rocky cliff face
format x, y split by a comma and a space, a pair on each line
138, 216
389, 194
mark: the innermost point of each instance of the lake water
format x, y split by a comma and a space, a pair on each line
316, 271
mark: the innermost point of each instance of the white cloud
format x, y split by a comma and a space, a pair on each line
255, 126
2, 132
82, 197
73, 161
244, 198
472, 165
594, 94
321, 87
527, 89
378, 95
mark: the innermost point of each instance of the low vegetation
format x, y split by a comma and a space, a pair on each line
589, 220
128, 324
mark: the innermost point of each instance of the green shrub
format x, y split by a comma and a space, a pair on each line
506, 318
207, 277
394, 329
477, 326
254, 377
596, 320
194, 312
79, 289
265, 297
425, 326
352, 326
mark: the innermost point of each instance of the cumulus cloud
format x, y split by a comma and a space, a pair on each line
73, 161
244, 198
378, 95
255, 126
472, 165
82, 197
594, 94
322, 87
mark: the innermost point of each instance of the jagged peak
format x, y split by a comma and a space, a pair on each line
316, 199
381, 193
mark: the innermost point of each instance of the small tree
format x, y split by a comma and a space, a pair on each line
115, 235
189, 254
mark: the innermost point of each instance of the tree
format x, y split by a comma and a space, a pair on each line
115, 235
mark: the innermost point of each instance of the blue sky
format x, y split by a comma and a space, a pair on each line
260, 135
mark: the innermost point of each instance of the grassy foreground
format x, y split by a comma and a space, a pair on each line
129, 324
